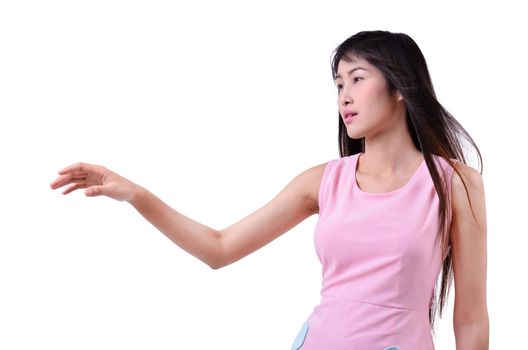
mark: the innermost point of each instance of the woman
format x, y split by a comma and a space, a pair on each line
397, 208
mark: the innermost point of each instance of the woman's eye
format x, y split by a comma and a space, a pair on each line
340, 86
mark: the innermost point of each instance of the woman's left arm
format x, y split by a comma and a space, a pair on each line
469, 252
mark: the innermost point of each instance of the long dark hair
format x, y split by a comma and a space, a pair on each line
433, 129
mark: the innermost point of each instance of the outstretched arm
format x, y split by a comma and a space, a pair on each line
295, 202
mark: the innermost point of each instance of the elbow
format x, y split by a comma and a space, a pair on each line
472, 334
215, 266
216, 260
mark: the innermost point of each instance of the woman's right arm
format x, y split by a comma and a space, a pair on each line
295, 202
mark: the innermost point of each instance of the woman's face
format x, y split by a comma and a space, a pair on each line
362, 89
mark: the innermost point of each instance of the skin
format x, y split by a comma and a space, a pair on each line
389, 160
469, 247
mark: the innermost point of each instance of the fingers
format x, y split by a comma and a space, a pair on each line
82, 175
77, 167
74, 187
90, 191
68, 178
94, 191
75, 171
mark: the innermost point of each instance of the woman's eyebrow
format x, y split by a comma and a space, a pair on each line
351, 71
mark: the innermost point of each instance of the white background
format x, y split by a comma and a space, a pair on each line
215, 107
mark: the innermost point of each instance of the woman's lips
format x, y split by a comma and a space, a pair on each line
349, 117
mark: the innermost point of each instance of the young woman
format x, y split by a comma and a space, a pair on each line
397, 209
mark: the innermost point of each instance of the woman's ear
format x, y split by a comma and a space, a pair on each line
398, 96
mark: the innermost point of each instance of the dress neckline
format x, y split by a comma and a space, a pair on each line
407, 184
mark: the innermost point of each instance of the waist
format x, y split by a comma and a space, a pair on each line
346, 324
345, 318
375, 304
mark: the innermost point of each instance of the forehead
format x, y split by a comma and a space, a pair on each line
349, 64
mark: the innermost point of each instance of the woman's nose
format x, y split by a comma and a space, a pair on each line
345, 97
344, 100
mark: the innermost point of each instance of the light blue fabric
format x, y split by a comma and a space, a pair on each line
392, 348
299, 340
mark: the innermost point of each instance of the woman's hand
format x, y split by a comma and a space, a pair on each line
97, 180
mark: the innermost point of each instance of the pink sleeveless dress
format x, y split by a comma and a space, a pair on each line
379, 262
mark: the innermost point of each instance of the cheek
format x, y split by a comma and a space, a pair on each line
379, 101
377, 92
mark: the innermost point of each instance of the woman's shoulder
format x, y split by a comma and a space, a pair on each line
314, 178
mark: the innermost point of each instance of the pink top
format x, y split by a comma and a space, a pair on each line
379, 262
